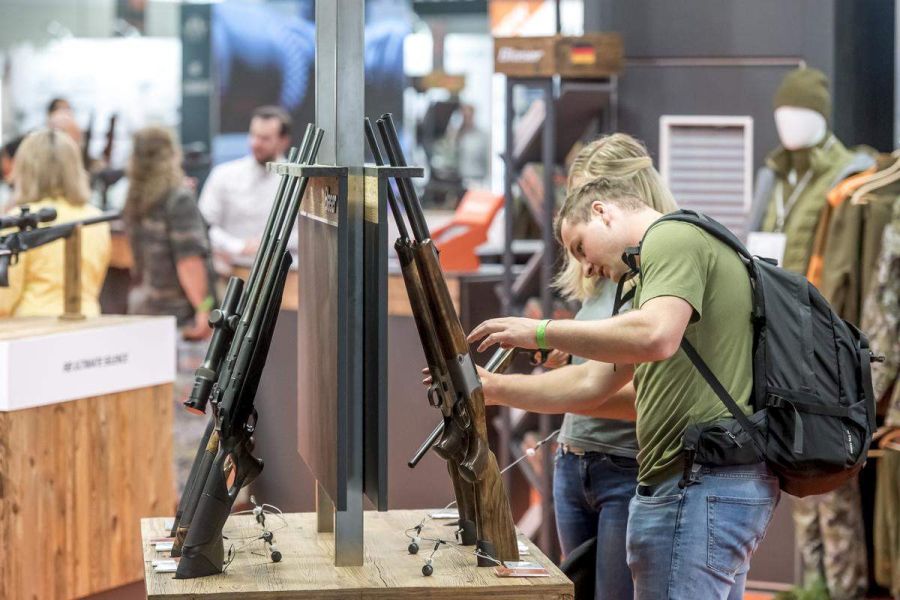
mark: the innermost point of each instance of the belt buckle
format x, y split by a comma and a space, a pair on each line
568, 449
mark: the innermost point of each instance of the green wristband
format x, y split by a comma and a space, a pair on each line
206, 305
541, 334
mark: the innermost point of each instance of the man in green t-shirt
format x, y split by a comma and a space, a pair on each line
692, 286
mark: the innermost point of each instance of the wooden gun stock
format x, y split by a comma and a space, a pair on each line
495, 515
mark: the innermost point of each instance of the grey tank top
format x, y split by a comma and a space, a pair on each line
609, 436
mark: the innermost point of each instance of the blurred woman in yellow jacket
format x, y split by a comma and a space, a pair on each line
48, 173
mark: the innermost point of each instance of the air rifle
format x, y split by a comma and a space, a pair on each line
234, 367
31, 236
223, 321
456, 388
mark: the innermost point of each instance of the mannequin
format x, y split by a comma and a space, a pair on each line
792, 187
799, 127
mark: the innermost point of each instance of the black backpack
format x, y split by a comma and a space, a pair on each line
812, 400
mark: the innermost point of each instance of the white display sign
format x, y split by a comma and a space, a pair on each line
58, 367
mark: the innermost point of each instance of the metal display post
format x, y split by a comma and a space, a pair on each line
340, 83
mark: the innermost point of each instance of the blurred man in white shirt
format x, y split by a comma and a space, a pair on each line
239, 194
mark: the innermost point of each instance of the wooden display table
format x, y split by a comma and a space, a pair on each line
307, 569
85, 450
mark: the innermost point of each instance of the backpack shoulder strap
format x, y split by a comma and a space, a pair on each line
723, 234
722, 393
710, 226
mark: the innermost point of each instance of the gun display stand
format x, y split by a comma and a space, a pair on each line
72, 277
342, 332
389, 572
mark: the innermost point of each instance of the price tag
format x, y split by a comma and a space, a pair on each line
164, 546
157, 540
165, 566
521, 569
767, 245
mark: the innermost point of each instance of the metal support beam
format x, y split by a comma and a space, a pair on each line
340, 82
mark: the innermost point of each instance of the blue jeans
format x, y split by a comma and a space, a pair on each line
697, 542
591, 495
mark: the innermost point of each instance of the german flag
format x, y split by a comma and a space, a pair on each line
582, 54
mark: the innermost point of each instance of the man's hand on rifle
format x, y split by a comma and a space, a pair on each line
487, 383
507, 332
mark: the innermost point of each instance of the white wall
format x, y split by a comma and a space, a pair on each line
29, 20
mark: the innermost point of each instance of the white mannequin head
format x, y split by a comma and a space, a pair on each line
799, 128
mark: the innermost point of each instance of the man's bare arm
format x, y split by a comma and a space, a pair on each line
580, 389
619, 406
648, 334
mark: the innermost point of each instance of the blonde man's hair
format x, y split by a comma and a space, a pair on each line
153, 171
48, 165
618, 157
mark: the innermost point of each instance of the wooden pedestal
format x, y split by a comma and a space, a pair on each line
77, 474
307, 569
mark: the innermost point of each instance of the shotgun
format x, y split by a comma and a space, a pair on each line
456, 388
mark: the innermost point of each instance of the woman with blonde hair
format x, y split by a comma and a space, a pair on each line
48, 172
172, 273
596, 469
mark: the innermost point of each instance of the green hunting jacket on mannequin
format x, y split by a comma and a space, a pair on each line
818, 169
791, 189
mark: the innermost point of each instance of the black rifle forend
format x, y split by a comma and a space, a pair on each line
11, 245
191, 480
233, 394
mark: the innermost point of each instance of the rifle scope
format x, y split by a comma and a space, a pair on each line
27, 219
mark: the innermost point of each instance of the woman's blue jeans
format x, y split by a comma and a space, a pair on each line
591, 493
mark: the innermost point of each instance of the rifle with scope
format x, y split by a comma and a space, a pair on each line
456, 388
30, 235
228, 379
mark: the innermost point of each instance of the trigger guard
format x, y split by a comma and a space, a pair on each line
434, 399
461, 415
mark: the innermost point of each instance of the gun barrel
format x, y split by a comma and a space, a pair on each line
392, 200
407, 193
426, 445
501, 360
101, 218
284, 185
233, 408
